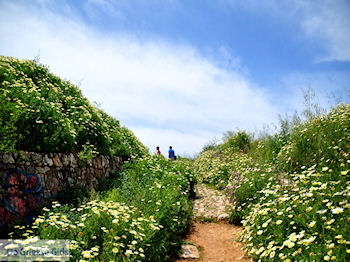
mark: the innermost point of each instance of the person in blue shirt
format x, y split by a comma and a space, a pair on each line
171, 153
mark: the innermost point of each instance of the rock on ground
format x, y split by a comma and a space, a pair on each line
210, 203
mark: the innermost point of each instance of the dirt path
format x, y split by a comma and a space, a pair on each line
215, 240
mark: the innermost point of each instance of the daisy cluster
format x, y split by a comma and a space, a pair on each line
139, 220
305, 220
97, 230
291, 192
160, 188
222, 167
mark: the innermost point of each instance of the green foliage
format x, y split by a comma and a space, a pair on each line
237, 141
9, 137
113, 181
269, 147
140, 220
87, 153
304, 220
316, 140
291, 191
40, 112
73, 194
160, 188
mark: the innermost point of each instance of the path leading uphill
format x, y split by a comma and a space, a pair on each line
215, 240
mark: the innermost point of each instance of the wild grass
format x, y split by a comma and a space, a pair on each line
140, 220
289, 190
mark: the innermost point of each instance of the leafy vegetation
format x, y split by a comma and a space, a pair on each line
140, 220
289, 190
137, 214
40, 112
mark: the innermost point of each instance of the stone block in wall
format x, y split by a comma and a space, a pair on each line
42, 170
57, 161
36, 158
73, 161
117, 163
97, 163
70, 181
89, 162
47, 161
53, 185
60, 175
42, 180
30, 169
56, 170
15, 155
11, 166
93, 182
98, 173
8, 158
81, 173
65, 160
103, 161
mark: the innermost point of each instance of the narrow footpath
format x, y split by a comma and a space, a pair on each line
210, 233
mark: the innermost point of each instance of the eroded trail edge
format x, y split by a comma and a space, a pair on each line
210, 232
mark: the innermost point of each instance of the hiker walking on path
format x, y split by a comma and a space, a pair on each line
158, 151
171, 153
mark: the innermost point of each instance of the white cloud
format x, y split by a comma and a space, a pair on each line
329, 21
167, 93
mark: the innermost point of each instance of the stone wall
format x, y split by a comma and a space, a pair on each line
27, 179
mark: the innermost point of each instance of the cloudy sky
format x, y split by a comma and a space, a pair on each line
182, 72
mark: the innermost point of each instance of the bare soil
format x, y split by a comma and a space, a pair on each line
216, 241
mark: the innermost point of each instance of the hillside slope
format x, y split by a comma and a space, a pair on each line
40, 112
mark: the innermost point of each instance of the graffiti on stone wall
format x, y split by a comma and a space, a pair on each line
24, 194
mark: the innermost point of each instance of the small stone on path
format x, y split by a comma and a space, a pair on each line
189, 251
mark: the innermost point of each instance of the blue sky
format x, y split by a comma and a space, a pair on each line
181, 72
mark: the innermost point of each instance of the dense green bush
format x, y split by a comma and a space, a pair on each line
73, 194
239, 141
41, 112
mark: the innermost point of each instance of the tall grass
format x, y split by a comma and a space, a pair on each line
290, 190
141, 219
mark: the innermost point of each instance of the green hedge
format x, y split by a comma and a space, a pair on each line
40, 112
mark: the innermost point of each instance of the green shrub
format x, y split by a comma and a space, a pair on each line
305, 220
291, 189
239, 141
73, 194
113, 181
141, 220
40, 112
319, 139
161, 189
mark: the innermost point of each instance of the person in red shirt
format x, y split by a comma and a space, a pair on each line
158, 152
